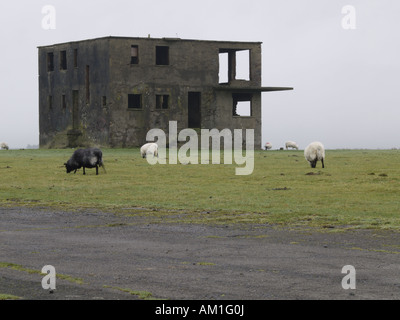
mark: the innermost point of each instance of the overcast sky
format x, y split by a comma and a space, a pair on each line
346, 81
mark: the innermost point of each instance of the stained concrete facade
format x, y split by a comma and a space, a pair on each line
109, 92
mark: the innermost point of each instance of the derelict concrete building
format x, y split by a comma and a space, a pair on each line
111, 91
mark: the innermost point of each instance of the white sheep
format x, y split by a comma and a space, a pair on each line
315, 151
149, 148
268, 146
291, 144
4, 146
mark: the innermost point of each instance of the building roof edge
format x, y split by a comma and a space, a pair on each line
149, 38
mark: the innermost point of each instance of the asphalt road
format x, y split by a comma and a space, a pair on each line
118, 257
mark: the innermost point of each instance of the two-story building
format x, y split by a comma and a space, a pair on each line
111, 91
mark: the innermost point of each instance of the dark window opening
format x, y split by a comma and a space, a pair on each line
87, 84
75, 58
50, 61
134, 55
242, 105
63, 102
134, 101
75, 110
50, 102
162, 56
63, 60
162, 102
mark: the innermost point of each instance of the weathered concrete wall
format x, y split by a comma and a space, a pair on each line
193, 67
62, 125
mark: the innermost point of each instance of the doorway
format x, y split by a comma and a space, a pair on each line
194, 109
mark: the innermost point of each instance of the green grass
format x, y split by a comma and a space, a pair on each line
18, 267
142, 295
8, 297
357, 188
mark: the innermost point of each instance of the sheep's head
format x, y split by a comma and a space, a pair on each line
68, 167
313, 163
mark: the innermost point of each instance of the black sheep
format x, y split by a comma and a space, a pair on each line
86, 158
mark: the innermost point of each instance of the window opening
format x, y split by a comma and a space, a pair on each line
50, 61
134, 101
134, 54
75, 58
242, 105
50, 102
162, 102
87, 84
75, 109
223, 67
63, 102
63, 60
243, 65
162, 56
234, 64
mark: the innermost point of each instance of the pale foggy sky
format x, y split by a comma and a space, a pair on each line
346, 82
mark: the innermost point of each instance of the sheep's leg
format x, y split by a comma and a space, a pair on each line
75, 171
313, 163
84, 170
322, 160
97, 170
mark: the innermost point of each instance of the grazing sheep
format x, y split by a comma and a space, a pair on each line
315, 151
4, 146
268, 146
149, 148
291, 144
86, 158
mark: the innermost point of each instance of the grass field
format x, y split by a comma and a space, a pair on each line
357, 188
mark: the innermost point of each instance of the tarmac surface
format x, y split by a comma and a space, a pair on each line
108, 256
